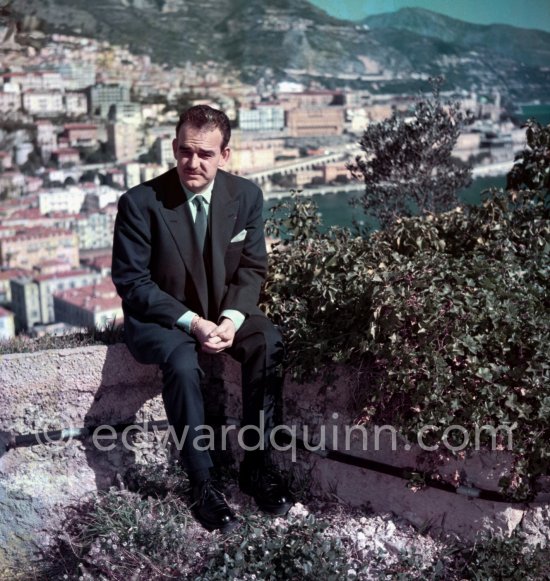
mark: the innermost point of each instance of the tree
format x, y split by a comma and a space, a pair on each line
531, 168
407, 164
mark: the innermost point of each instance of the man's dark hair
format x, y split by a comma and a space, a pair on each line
201, 116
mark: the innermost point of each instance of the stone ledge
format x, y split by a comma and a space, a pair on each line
91, 386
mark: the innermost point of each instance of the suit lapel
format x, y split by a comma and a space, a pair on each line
177, 215
222, 222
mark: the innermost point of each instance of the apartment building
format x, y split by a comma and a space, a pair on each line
81, 134
6, 160
46, 138
25, 303
77, 74
12, 183
123, 140
75, 103
5, 287
251, 158
262, 118
92, 306
95, 231
163, 149
66, 157
126, 112
35, 80
43, 103
10, 102
315, 121
32, 296
69, 200
102, 95
307, 99
32, 246
98, 197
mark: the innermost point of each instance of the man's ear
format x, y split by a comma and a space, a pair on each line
224, 157
175, 147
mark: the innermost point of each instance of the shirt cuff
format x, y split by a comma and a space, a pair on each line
236, 316
185, 321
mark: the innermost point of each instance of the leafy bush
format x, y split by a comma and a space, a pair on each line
120, 536
446, 316
505, 558
290, 549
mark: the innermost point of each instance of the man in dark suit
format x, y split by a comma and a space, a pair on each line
189, 260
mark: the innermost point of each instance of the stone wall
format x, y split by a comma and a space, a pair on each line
100, 385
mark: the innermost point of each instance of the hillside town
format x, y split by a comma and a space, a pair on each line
84, 120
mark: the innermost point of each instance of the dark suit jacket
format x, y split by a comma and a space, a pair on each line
159, 272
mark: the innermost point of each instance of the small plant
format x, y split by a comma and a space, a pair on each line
289, 549
120, 536
494, 558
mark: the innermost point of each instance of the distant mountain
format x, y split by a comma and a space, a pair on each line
520, 44
293, 40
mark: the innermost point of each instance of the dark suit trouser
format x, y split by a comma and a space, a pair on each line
258, 346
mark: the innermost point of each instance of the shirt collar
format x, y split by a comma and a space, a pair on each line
206, 194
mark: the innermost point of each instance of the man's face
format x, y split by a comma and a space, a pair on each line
198, 154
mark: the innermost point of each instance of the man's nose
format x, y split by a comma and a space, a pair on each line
193, 160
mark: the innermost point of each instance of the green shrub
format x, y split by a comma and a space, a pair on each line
446, 316
292, 548
119, 536
494, 558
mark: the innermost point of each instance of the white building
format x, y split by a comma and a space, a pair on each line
164, 151
132, 172
46, 139
9, 102
78, 75
35, 80
76, 103
126, 113
43, 103
100, 196
67, 200
22, 152
96, 230
262, 118
7, 324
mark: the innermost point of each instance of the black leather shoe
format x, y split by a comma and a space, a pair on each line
268, 488
211, 509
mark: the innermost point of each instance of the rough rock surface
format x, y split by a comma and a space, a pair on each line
92, 386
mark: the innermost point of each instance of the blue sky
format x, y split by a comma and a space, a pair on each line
522, 13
